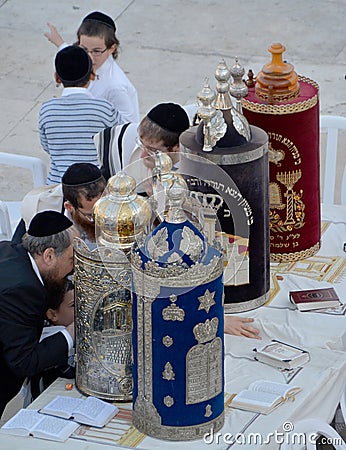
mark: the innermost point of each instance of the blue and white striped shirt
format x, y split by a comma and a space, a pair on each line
67, 126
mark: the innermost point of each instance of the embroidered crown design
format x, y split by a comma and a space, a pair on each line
206, 331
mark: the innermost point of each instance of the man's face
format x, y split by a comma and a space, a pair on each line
97, 49
54, 276
62, 265
83, 216
150, 146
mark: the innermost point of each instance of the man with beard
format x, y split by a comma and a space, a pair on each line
29, 272
82, 185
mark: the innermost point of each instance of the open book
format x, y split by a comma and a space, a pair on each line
264, 396
90, 411
280, 354
29, 422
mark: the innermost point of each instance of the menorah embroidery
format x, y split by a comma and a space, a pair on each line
289, 179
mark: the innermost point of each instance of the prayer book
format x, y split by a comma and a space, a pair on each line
29, 422
90, 411
264, 396
282, 355
311, 299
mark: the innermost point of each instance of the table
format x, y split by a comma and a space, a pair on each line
322, 379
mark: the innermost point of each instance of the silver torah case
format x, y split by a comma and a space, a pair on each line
103, 297
178, 330
103, 323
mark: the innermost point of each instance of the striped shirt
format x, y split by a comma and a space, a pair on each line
67, 126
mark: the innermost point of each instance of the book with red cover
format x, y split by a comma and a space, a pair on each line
311, 299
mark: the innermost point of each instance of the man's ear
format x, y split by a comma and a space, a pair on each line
48, 256
57, 78
67, 205
52, 316
113, 47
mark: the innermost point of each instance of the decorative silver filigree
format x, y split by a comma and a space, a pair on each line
208, 411
168, 373
167, 341
168, 401
206, 300
179, 275
158, 244
174, 258
173, 313
241, 124
204, 371
214, 125
191, 244
206, 331
103, 323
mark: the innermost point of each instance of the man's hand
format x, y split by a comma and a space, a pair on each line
53, 36
238, 327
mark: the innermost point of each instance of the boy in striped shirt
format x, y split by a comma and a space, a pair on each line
67, 124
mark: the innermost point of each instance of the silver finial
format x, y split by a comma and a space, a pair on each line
238, 88
222, 75
214, 126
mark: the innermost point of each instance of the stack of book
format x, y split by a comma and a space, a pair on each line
315, 299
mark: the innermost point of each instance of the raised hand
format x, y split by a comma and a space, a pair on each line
54, 36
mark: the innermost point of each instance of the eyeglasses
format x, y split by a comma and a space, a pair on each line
87, 216
150, 150
95, 52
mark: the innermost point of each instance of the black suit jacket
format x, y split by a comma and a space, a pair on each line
23, 303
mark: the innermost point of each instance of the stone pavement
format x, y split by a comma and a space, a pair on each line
167, 50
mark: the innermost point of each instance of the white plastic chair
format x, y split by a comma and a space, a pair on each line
35, 165
191, 110
11, 210
311, 428
343, 404
332, 125
5, 224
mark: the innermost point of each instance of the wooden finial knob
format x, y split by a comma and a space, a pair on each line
277, 80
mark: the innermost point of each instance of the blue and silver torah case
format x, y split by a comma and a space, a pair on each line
178, 329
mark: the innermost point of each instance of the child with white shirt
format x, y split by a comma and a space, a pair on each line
97, 35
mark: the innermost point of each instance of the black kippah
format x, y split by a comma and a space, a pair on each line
47, 223
81, 173
170, 117
98, 16
72, 64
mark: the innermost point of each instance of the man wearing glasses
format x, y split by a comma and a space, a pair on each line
132, 146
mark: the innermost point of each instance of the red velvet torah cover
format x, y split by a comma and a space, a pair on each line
293, 131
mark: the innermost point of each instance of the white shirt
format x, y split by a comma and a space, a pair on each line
112, 84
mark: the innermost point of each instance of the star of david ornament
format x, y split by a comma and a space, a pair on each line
206, 300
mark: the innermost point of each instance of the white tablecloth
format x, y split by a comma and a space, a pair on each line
322, 379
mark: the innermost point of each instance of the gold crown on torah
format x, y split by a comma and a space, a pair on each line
206, 331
